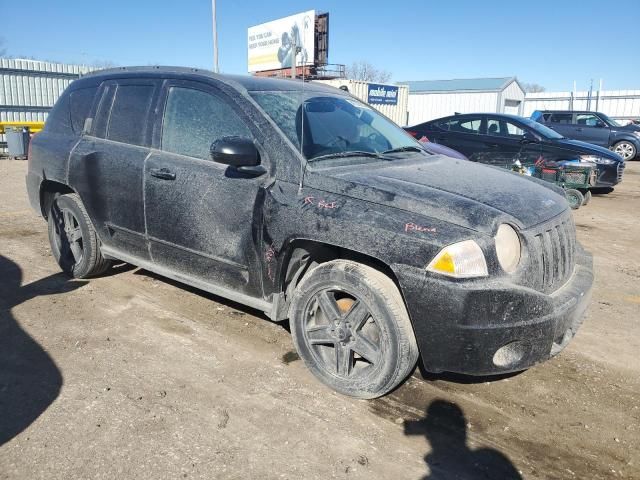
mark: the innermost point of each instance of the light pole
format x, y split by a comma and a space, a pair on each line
215, 36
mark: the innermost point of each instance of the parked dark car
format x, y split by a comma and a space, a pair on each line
500, 139
593, 127
309, 205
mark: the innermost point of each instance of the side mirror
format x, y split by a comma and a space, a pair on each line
529, 137
235, 151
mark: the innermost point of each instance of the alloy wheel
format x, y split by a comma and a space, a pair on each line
342, 334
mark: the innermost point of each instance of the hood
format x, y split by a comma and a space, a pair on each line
584, 148
464, 193
630, 127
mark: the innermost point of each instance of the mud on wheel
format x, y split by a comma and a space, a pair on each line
74, 242
351, 328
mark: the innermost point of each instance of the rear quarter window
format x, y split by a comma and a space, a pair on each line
58, 120
80, 102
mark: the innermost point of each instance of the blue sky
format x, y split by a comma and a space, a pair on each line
551, 43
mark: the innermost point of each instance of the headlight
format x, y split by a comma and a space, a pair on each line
508, 248
596, 159
460, 260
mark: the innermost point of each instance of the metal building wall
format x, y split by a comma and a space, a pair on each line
430, 105
618, 104
511, 99
397, 113
29, 88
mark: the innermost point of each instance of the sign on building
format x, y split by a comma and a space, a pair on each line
382, 94
270, 45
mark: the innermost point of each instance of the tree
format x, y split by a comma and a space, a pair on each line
366, 72
533, 87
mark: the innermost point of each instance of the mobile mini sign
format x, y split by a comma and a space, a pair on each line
382, 94
270, 45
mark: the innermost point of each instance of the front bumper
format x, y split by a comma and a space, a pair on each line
609, 175
489, 327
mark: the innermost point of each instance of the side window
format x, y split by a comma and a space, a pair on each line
80, 105
565, 118
128, 118
587, 119
503, 128
194, 119
464, 125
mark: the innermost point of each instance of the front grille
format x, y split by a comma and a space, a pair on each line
552, 250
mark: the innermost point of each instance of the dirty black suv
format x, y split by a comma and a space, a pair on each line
302, 202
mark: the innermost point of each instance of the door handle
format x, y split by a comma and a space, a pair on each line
163, 173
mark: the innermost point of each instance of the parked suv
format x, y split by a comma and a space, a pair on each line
593, 127
302, 202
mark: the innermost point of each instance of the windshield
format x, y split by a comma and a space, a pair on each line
610, 121
333, 126
541, 129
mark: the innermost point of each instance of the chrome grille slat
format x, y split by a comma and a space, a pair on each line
554, 246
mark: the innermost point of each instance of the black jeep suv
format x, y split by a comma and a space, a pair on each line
307, 204
593, 127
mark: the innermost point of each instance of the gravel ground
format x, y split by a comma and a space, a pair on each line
134, 376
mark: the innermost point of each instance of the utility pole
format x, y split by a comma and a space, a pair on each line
215, 37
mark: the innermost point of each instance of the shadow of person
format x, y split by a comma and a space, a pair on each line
29, 379
445, 428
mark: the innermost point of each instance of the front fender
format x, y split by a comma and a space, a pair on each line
391, 236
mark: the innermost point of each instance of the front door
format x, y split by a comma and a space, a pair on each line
106, 166
506, 145
202, 216
590, 128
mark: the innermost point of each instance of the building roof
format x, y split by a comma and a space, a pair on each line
461, 84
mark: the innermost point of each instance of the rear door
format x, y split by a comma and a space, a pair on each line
591, 128
463, 133
107, 164
563, 123
202, 217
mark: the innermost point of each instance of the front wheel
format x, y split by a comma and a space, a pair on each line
625, 149
350, 326
74, 243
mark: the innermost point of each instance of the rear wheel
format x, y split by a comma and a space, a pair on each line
587, 197
625, 149
74, 243
574, 197
351, 328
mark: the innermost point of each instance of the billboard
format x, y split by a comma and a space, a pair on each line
270, 45
382, 94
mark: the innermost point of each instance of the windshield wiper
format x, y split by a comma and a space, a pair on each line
407, 148
351, 153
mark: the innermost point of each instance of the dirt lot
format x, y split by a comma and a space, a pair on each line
134, 376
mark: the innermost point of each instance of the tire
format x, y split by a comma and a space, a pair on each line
574, 197
350, 327
625, 149
73, 240
587, 197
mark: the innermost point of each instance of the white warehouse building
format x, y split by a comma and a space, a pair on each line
430, 99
